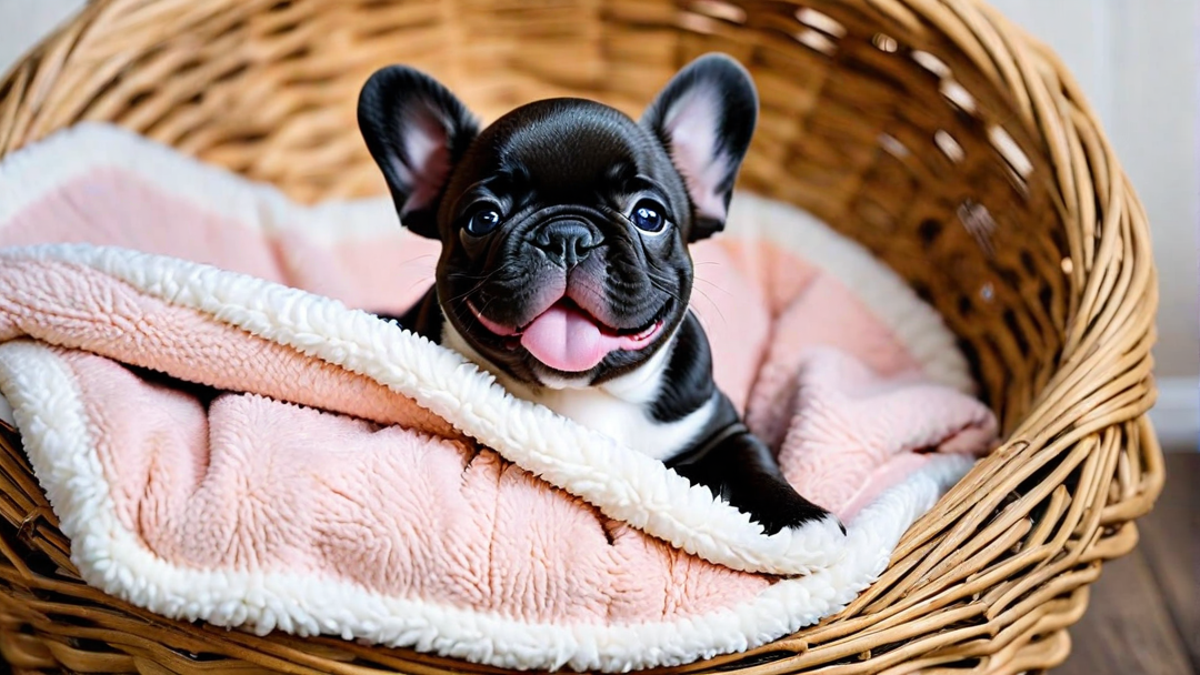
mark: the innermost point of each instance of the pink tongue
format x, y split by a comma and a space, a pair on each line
567, 340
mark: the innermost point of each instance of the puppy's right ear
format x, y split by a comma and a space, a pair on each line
417, 131
705, 118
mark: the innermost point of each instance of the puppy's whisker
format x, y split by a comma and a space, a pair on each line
715, 285
661, 282
720, 314
410, 261
420, 282
486, 305
468, 292
664, 286
481, 281
669, 293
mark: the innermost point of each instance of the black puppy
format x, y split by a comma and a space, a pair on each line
565, 269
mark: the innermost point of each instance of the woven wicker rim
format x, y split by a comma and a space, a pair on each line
987, 582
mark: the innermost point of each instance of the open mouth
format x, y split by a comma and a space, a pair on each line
568, 339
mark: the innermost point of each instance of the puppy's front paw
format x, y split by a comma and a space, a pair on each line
787, 509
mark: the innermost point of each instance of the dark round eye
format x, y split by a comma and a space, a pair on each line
648, 215
483, 222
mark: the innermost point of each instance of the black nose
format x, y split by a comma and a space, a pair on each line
567, 242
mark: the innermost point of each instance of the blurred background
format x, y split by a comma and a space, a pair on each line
1136, 59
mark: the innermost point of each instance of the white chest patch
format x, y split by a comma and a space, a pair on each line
619, 408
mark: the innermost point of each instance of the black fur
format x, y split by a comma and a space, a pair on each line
742, 471
736, 123
689, 374
563, 178
393, 100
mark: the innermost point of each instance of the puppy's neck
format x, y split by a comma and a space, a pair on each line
621, 407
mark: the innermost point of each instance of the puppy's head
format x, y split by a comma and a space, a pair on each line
564, 224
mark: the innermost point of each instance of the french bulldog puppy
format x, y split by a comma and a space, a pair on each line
564, 268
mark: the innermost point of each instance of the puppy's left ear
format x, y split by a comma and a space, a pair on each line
705, 118
417, 131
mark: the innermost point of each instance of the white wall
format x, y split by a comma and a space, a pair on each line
1137, 61
23, 23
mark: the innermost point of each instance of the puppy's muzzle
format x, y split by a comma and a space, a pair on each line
567, 242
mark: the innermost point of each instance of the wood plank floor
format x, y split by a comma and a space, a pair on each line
1144, 614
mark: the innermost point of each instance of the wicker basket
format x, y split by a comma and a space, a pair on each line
939, 135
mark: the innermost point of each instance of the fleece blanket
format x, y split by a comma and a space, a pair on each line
226, 436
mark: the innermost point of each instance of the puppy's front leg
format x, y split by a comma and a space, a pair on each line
740, 469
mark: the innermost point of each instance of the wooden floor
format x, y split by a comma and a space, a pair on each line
1144, 615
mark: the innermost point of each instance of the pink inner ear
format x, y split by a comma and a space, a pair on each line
691, 124
426, 145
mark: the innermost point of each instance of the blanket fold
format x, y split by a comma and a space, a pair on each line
226, 436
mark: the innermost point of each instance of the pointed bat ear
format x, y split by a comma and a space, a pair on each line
416, 130
705, 117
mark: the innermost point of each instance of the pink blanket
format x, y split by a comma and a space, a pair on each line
224, 438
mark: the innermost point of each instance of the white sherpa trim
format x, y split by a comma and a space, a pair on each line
47, 405
29, 173
625, 485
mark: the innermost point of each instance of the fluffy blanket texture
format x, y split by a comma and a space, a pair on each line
226, 436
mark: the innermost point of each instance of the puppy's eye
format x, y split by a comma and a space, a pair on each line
648, 216
483, 222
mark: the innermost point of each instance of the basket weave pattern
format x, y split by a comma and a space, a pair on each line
951, 144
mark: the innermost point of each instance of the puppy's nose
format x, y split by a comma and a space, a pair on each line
567, 242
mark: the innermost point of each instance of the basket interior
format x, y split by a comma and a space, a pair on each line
872, 118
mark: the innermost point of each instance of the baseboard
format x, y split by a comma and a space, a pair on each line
1176, 415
